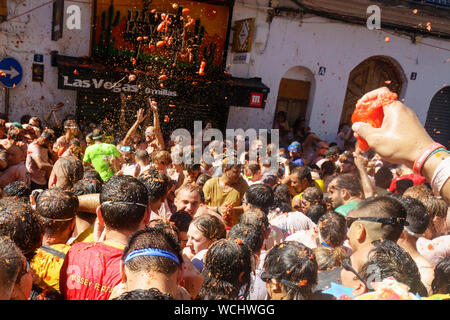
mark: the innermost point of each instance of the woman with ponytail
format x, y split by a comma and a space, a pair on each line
290, 272
330, 253
226, 271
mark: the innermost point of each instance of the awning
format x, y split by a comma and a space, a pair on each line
89, 76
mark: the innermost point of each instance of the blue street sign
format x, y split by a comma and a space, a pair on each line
10, 72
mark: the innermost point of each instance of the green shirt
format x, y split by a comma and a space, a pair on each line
100, 155
346, 208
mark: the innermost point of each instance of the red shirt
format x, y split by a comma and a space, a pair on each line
90, 271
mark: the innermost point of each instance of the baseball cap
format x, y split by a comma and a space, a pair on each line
294, 146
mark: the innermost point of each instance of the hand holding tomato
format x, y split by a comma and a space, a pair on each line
370, 110
401, 137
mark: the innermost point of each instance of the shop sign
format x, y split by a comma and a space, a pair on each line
101, 84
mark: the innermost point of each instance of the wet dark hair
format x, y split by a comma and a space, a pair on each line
388, 259
282, 198
91, 174
419, 192
157, 184
155, 238
383, 178
302, 172
327, 168
333, 229
441, 283
17, 189
83, 187
201, 180
225, 261
20, 224
10, 263
256, 218
168, 228
250, 236
349, 182
192, 166
260, 196
87, 186
316, 211
313, 194
210, 226
25, 118
141, 294
295, 266
181, 219
402, 185
382, 207
416, 215
53, 205
125, 192
436, 207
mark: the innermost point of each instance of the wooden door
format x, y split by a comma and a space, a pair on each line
370, 74
293, 98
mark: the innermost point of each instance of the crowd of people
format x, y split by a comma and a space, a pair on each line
86, 215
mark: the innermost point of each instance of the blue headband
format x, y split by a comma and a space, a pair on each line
325, 244
152, 252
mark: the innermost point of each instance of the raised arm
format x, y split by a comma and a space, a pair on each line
159, 137
140, 117
361, 165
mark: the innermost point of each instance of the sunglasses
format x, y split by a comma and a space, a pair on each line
392, 221
347, 265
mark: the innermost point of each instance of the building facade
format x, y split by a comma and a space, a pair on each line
26, 32
318, 64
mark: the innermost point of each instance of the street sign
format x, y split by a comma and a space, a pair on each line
10, 72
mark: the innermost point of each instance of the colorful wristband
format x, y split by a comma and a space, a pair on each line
434, 152
418, 164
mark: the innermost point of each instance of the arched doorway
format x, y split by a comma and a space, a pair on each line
294, 94
372, 73
438, 117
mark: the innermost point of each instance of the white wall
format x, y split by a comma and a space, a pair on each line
339, 47
30, 34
